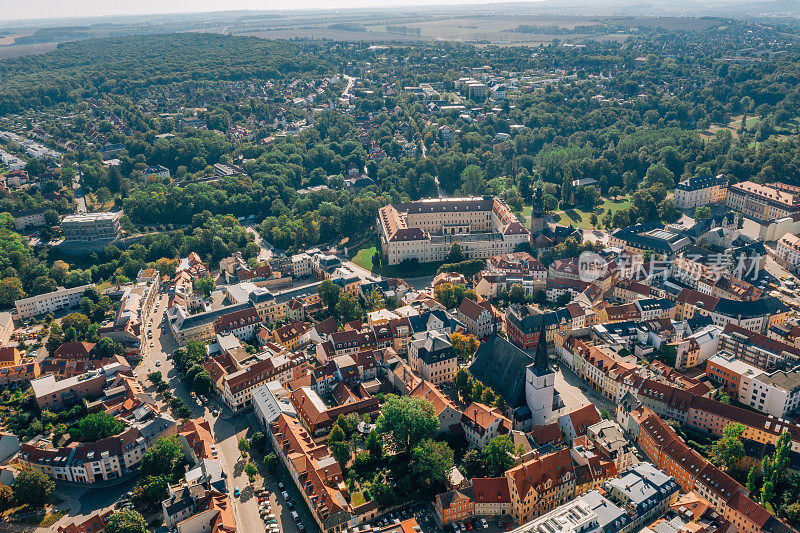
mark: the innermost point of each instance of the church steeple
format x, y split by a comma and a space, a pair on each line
541, 360
537, 210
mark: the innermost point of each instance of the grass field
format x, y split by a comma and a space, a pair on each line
580, 218
526, 215
364, 257
732, 126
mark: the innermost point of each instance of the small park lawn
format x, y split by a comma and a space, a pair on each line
364, 258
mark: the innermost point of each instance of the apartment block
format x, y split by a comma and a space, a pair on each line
91, 228
50, 302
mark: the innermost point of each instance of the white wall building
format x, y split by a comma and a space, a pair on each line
788, 251
776, 393
50, 302
426, 230
698, 191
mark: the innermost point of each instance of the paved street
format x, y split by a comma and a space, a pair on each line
80, 199
362, 273
265, 254
575, 393
227, 429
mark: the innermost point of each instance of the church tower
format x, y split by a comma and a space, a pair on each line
540, 382
537, 212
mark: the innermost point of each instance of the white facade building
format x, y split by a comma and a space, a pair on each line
50, 302
698, 191
426, 230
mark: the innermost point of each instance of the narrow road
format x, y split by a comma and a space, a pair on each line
266, 252
350, 82
77, 189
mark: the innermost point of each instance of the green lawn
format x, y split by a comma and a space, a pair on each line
580, 218
526, 215
358, 499
364, 257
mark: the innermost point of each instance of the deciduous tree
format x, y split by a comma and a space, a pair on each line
407, 421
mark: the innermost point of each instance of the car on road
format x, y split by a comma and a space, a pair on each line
215, 411
285, 495
236, 491
301, 528
280, 485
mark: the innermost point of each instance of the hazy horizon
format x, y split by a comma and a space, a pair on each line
53, 9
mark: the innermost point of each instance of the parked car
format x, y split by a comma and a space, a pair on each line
280, 485
295, 516
301, 528
484, 523
236, 491
158, 363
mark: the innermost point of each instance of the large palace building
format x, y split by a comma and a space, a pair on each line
425, 230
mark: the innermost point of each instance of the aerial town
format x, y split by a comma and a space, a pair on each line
331, 286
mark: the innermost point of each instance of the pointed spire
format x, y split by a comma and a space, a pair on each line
541, 348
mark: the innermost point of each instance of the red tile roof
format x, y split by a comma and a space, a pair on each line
535, 474
490, 490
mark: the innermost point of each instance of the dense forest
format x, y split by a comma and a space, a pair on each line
636, 116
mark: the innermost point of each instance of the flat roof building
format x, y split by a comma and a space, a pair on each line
95, 228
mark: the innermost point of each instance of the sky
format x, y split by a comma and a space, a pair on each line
33, 9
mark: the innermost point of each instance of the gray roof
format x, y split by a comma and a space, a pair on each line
610, 518
750, 309
788, 381
433, 346
180, 500
643, 486
501, 365
210, 316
